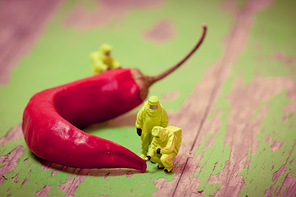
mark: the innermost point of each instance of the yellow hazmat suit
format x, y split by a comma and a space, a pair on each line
152, 114
101, 60
165, 146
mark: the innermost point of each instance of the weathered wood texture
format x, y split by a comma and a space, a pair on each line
21, 23
238, 136
219, 149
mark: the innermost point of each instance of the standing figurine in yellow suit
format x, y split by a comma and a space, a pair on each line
165, 146
101, 60
152, 114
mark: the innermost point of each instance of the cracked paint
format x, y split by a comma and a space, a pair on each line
71, 185
273, 165
10, 161
213, 160
12, 135
264, 157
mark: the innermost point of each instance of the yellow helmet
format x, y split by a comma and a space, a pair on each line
159, 132
105, 48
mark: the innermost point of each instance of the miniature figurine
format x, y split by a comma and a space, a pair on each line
164, 147
152, 114
101, 60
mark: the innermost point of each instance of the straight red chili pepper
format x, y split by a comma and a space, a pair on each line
52, 118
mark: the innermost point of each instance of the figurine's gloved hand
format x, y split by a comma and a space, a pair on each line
139, 131
158, 150
147, 158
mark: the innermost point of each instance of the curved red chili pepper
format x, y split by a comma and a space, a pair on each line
52, 118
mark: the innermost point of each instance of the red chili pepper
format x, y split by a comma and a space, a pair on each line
52, 118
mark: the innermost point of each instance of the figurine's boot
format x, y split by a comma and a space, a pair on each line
167, 161
160, 166
167, 171
168, 168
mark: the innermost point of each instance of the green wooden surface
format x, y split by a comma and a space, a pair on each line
235, 99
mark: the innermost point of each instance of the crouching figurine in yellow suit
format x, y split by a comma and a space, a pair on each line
164, 146
101, 60
151, 114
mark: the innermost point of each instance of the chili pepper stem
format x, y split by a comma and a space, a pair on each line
144, 82
153, 79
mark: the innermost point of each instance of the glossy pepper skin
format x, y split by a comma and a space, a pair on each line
52, 119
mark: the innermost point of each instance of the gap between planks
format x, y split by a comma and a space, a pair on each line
232, 50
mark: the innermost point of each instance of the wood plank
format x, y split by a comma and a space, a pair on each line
229, 157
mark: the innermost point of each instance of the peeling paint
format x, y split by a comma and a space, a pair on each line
10, 161
44, 191
268, 167
12, 135
26, 180
274, 146
71, 185
129, 175
213, 160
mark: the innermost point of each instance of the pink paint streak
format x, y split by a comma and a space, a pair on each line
161, 32
279, 173
230, 5
290, 184
291, 93
129, 175
274, 146
106, 176
15, 178
283, 58
106, 11
171, 96
289, 181
290, 61
26, 180
71, 186
14, 134
279, 56
44, 191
